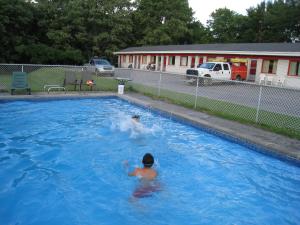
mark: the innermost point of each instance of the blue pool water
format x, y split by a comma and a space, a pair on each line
61, 163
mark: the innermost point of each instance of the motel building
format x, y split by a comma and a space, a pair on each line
263, 61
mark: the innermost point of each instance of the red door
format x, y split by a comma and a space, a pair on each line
193, 62
252, 72
200, 60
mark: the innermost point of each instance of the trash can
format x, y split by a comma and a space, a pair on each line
121, 89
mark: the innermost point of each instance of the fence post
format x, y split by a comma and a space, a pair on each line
159, 83
258, 104
196, 97
22, 68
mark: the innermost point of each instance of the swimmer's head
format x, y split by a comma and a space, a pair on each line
148, 160
136, 117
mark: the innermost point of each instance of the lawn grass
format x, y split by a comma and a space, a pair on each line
5, 81
55, 75
275, 122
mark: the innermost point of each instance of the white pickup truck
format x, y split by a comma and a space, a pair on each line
220, 71
100, 67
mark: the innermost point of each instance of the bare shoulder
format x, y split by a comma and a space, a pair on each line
155, 172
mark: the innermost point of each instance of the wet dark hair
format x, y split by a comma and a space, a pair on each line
135, 117
148, 160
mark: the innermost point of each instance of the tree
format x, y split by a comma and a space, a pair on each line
71, 31
198, 34
16, 28
161, 22
276, 21
255, 23
226, 25
75, 30
111, 27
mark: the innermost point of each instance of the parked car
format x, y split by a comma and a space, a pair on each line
100, 67
220, 70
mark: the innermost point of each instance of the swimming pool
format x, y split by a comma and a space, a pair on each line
61, 163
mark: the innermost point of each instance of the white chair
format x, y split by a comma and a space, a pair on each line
268, 80
262, 79
278, 81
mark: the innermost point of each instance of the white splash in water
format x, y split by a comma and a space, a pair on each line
125, 123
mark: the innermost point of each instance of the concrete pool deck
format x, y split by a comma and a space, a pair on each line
272, 142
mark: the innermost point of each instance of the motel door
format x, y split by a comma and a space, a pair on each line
164, 64
193, 62
252, 71
200, 61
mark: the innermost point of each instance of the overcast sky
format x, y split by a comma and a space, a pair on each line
203, 8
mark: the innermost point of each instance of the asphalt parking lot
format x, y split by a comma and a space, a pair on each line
272, 99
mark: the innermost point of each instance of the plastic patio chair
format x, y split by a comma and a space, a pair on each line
20, 81
269, 80
278, 81
87, 79
70, 78
262, 79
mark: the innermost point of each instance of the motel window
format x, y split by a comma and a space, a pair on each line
144, 59
269, 66
130, 58
294, 68
183, 61
172, 60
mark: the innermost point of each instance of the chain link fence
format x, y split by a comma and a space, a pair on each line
73, 78
275, 108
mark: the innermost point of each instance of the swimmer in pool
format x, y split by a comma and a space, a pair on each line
136, 125
148, 185
135, 118
147, 172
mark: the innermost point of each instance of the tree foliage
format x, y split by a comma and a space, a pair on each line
273, 21
162, 22
71, 31
226, 25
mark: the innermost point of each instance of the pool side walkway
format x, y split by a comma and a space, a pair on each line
272, 142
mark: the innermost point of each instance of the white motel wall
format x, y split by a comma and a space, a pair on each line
271, 59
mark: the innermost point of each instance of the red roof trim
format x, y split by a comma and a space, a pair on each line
228, 56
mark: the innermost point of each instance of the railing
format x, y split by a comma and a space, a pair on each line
41, 75
272, 107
